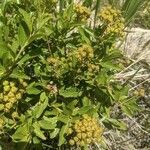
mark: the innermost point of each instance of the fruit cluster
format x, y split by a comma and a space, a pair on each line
93, 68
53, 61
86, 131
11, 94
113, 19
139, 92
85, 52
83, 13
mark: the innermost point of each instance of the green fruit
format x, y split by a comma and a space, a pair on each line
10, 95
6, 88
83, 135
18, 96
71, 142
76, 139
5, 83
12, 84
8, 105
12, 100
1, 95
21, 81
24, 84
14, 89
6, 98
15, 115
79, 135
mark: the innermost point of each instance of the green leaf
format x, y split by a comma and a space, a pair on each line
4, 48
130, 8
110, 65
84, 110
2, 69
63, 118
36, 140
33, 90
54, 133
18, 74
27, 18
22, 134
83, 35
39, 108
38, 131
62, 132
22, 37
45, 124
86, 101
69, 92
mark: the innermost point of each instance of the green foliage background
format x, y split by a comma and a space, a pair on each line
41, 43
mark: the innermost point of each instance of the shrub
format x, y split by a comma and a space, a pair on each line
57, 73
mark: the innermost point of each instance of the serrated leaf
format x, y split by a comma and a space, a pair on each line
27, 19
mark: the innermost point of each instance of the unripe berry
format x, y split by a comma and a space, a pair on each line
82, 143
70, 131
6, 88
6, 110
21, 81
24, 84
71, 142
79, 135
10, 95
12, 84
1, 95
14, 89
5, 83
76, 139
85, 116
18, 96
88, 140
12, 100
6, 98
89, 134
8, 105
83, 128
83, 135
15, 115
